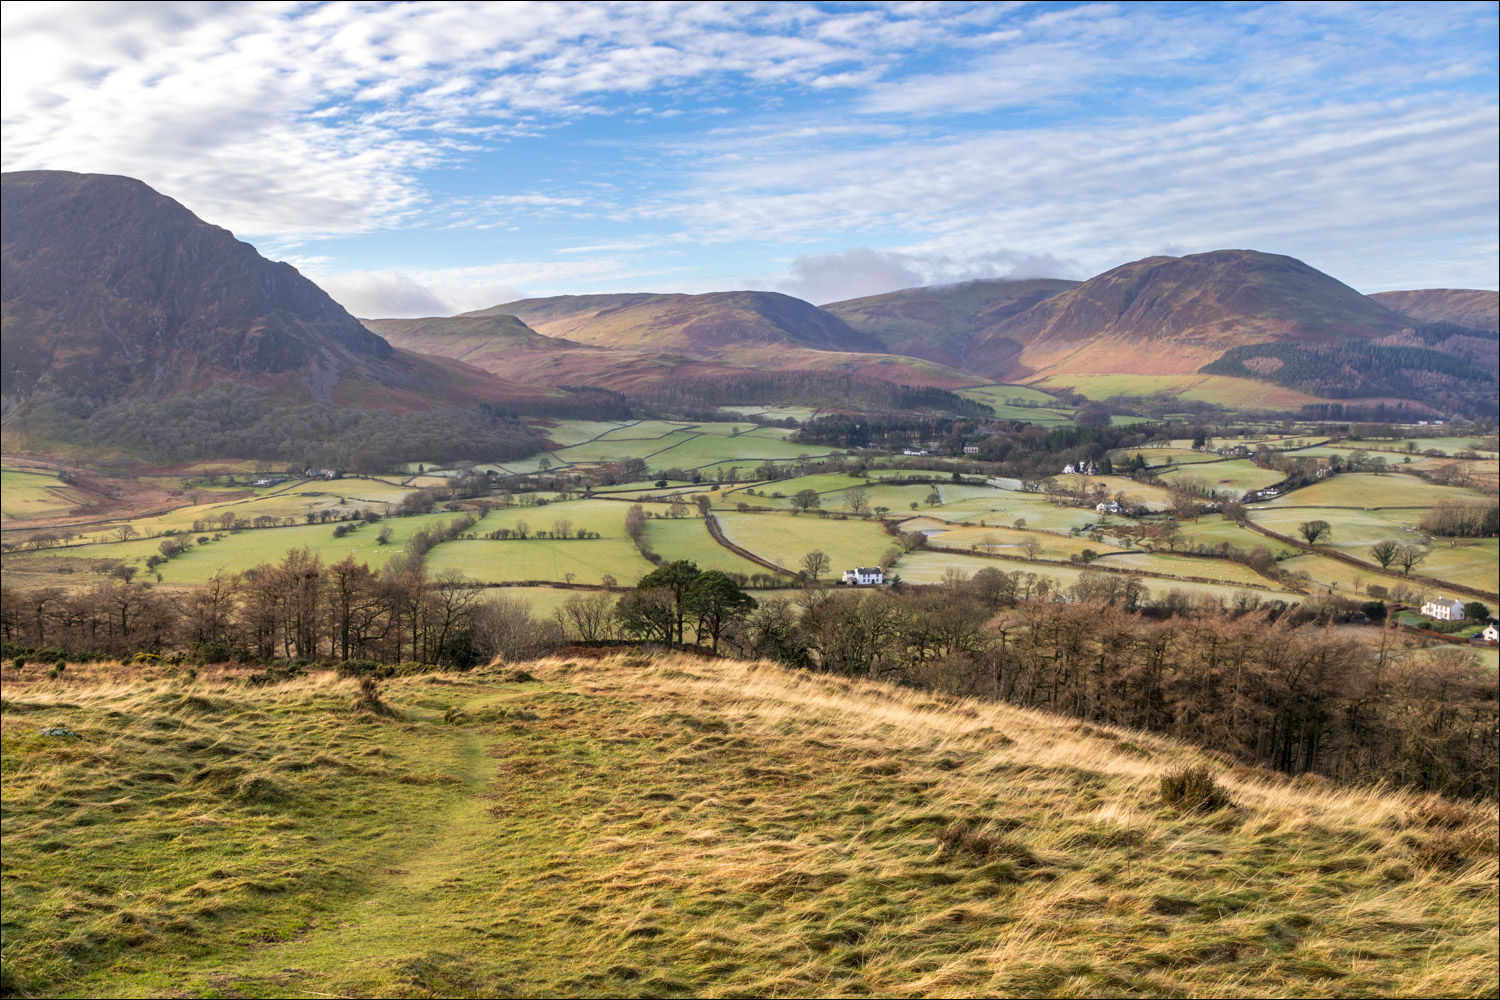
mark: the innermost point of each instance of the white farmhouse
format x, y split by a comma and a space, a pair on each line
1490, 633
1112, 507
1444, 611
864, 576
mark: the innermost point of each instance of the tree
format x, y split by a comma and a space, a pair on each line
1407, 556
125, 532
717, 601
588, 616
934, 498
1384, 552
1032, 547
647, 614
1314, 530
1476, 610
562, 528
806, 500
815, 564
857, 501
674, 578
678, 508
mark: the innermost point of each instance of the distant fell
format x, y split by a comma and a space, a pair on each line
939, 322
1174, 314
1475, 308
716, 325
113, 290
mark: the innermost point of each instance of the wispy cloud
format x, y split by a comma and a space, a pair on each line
1360, 136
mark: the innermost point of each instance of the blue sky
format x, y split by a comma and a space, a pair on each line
433, 157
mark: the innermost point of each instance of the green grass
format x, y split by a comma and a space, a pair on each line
1369, 490
26, 495
1002, 393
784, 538
1238, 475
237, 551
1233, 393
688, 538
1153, 497
1472, 562
589, 560
640, 827
931, 566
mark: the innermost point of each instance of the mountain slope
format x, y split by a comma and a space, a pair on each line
939, 322
1167, 315
1475, 308
506, 346
112, 291
719, 325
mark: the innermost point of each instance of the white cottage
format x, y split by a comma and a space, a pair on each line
1490, 633
1444, 611
864, 576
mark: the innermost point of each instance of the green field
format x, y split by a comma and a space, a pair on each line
931, 566
784, 538
1002, 393
26, 495
1153, 497
1370, 490
1239, 475
538, 559
237, 551
1473, 562
1220, 389
688, 538
1341, 576
1004, 541
1169, 564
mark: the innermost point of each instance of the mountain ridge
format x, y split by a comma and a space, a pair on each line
114, 290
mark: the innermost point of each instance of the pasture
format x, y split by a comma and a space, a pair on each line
541, 559
27, 495
1369, 490
688, 538
1237, 476
785, 538
237, 551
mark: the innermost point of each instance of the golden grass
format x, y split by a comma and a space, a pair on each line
671, 825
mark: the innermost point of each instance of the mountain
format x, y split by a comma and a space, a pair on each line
113, 291
717, 325
1474, 308
940, 321
1172, 315
504, 345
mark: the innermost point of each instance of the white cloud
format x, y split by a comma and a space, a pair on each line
833, 277
387, 295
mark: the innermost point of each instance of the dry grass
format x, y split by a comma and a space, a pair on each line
639, 826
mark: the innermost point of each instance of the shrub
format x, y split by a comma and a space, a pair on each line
1193, 789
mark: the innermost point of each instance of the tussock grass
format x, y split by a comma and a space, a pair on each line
668, 825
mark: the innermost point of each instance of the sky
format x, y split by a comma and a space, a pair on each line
429, 158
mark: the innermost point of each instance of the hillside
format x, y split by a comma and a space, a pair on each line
939, 322
507, 347
1172, 315
648, 826
113, 291
714, 325
1477, 309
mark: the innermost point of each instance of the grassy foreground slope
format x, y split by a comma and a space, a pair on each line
675, 826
